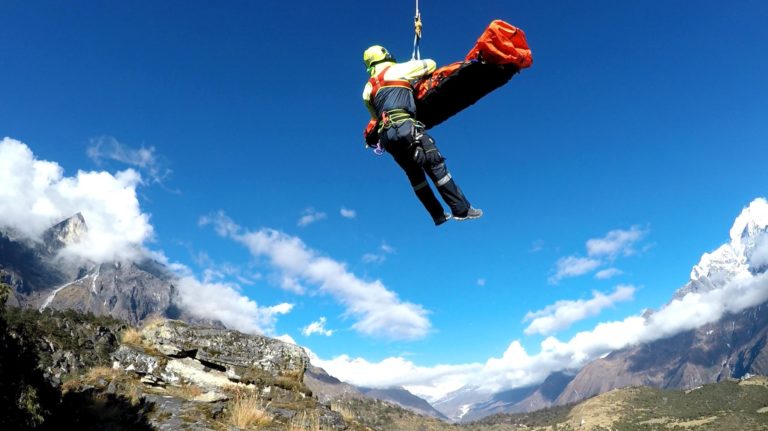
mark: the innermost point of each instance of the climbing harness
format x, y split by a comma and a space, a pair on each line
378, 82
417, 36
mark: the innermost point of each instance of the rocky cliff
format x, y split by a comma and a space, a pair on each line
67, 369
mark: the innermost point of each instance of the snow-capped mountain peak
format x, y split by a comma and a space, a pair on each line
747, 250
749, 227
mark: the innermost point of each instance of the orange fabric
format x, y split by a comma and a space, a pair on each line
435, 78
370, 128
501, 43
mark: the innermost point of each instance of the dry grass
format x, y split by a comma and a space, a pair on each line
305, 422
101, 376
246, 410
134, 392
346, 411
131, 388
186, 392
96, 374
132, 337
153, 320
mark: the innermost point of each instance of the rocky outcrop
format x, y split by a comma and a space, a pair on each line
170, 375
212, 357
220, 364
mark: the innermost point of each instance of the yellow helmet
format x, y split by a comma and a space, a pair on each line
375, 55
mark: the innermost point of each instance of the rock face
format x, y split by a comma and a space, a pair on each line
127, 291
64, 233
219, 362
130, 291
168, 376
238, 356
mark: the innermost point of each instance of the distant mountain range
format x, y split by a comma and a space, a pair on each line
734, 346
329, 388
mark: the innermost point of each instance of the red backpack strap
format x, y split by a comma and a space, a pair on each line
378, 82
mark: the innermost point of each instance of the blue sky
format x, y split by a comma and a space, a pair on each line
640, 124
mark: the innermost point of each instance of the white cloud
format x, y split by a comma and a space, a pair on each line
35, 194
144, 159
573, 266
373, 258
380, 256
348, 213
214, 271
537, 246
615, 243
562, 314
607, 273
600, 251
481, 282
317, 327
224, 302
516, 367
377, 311
310, 216
432, 382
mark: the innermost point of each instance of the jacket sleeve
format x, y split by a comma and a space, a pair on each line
414, 69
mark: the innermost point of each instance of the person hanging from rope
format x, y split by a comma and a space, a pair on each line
388, 95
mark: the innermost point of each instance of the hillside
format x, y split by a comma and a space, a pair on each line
68, 369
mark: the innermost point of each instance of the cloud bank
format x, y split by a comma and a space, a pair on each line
517, 368
35, 194
224, 302
376, 310
563, 314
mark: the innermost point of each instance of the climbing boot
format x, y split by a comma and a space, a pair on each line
472, 213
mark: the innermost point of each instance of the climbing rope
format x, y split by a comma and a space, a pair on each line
417, 36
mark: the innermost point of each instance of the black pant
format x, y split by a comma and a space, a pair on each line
401, 142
